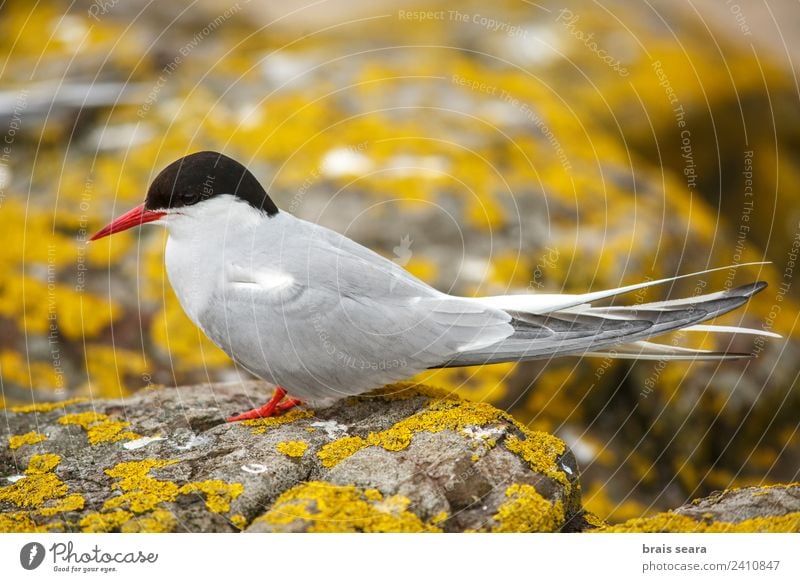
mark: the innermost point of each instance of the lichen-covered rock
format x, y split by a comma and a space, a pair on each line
773, 508
522, 162
405, 458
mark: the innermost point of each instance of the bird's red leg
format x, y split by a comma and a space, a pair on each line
288, 404
271, 408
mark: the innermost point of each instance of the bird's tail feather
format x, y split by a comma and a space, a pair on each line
572, 326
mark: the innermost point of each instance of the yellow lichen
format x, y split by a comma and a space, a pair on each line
19, 522
156, 521
333, 453
73, 502
261, 425
541, 451
138, 508
239, 521
527, 511
140, 491
343, 508
45, 406
29, 438
39, 486
292, 448
373, 495
97, 522
219, 494
439, 517
670, 522
42, 464
100, 428
594, 521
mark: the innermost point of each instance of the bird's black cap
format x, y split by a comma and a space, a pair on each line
200, 176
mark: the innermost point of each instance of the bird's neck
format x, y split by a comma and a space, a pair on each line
201, 244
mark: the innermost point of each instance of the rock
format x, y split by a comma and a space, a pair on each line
547, 170
406, 458
771, 508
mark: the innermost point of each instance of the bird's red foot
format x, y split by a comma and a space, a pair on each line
272, 408
288, 404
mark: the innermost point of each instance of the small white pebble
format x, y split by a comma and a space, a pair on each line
142, 442
254, 468
332, 429
15, 478
566, 469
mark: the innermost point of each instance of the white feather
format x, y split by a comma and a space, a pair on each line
545, 303
731, 329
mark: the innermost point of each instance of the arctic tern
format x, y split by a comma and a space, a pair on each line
323, 317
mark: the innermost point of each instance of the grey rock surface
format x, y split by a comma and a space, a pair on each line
737, 505
408, 459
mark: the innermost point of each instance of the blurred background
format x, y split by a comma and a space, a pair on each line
550, 146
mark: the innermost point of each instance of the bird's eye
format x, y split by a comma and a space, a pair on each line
190, 197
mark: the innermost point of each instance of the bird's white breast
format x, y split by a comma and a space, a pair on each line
204, 240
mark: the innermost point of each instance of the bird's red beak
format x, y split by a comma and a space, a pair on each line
134, 217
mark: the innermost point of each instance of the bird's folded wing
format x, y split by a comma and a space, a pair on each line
370, 306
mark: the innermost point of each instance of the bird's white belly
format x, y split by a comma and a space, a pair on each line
311, 363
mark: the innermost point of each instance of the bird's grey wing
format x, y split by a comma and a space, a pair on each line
310, 305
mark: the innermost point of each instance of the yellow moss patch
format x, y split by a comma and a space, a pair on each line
343, 508
261, 425
100, 428
373, 495
292, 448
138, 508
439, 518
73, 502
19, 522
39, 485
439, 415
29, 438
156, 521
96, 522
46, 406
239, 521
594, 521
674, 523
541, 451
333, 453
42, 464
141, 492
527, 511
219, 494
